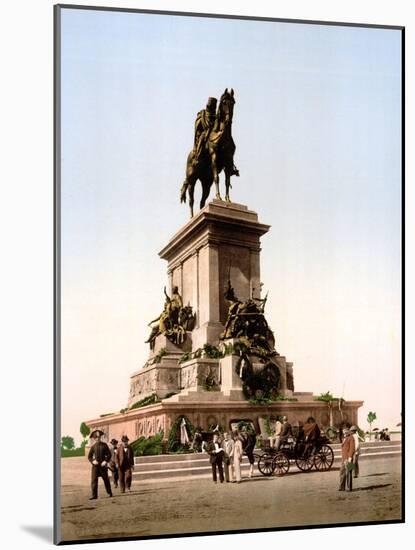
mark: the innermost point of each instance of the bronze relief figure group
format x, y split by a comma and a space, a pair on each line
173, 321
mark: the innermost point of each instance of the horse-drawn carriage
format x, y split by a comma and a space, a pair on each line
306, 455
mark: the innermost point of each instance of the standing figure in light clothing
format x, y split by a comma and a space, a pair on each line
228, 447
357, 440
274, 440
237, 456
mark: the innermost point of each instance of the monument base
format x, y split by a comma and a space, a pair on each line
213, 409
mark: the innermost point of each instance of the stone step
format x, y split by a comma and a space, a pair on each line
190, 457
205, 471
198, 465
198, 460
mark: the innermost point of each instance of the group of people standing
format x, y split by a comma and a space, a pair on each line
225, 455
116, 457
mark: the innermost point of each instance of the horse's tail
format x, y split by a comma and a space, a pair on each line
183, 191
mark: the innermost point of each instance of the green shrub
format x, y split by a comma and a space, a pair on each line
65, 453
148, 446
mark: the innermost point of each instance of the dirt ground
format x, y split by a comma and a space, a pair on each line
190, 505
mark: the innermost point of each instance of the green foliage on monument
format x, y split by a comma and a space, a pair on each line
157, 358
149, 400
146, 446
326, 397
173, 443
67, 442
209, 351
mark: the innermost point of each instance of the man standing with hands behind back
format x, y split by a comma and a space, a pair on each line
125, 461
348, 449
99, 456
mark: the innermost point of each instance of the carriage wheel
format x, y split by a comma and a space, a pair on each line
280, 464
304, 463
265, 465
324, 458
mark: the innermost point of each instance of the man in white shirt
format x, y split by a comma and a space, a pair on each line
357, 440
274, 440
227, 446
215, 452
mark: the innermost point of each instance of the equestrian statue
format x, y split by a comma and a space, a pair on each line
212, 152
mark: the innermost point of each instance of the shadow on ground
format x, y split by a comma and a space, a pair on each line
370, 487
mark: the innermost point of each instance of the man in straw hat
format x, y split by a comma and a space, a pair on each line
125, 463
346, 468
99, 456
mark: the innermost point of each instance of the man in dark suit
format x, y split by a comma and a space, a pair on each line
125, 463
215, 452
113, 463
99, 456
286, 432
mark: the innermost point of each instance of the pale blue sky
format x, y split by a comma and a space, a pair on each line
318, 135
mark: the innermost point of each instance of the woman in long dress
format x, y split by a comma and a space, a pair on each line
237, 456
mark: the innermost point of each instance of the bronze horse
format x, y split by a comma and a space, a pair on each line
217, 156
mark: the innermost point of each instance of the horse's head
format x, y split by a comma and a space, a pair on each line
226, 103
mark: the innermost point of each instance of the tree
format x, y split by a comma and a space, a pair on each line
328, 398
371, 417
85, 430
67, 442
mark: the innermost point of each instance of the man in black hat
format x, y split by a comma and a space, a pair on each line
204, 123
125, 462
113, 463
99, 456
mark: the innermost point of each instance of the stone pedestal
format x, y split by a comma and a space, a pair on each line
219, 242
163, 343
230, 381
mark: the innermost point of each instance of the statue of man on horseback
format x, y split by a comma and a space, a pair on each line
204, 123
213, 150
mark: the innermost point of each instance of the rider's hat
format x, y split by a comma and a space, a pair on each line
125, 439
354, 428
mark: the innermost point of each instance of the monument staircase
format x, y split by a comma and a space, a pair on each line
174, 467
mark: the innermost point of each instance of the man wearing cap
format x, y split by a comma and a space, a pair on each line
113, 463
355, 432
204, 123
99, 456
348, 449
125, 463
